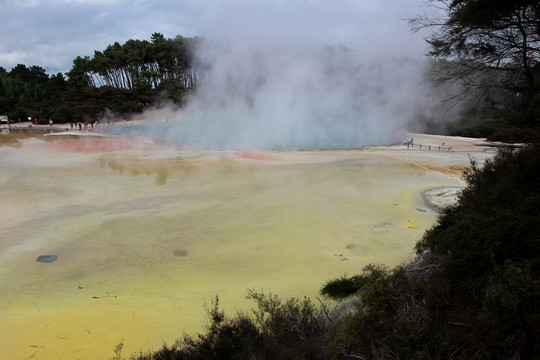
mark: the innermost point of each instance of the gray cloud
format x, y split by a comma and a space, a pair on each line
52, 33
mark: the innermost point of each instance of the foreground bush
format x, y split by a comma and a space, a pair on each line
277, 329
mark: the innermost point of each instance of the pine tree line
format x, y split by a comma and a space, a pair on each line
139, 63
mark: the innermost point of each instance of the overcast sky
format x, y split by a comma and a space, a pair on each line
51, 33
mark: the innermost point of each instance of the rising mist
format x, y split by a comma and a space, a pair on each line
286, 87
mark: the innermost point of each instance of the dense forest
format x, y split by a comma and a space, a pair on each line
491, 51
122, 79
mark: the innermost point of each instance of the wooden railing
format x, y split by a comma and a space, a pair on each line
411, 144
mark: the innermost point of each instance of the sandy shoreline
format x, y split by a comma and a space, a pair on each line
27, 125
447, 155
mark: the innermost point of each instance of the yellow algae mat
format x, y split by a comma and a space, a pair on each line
132, 240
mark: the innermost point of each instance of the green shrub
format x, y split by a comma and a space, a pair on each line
339, 289
278, 329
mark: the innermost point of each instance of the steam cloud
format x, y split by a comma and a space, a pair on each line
262, 89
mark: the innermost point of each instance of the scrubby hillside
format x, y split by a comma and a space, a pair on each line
472, 293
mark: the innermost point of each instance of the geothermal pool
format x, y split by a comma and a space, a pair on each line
137, 237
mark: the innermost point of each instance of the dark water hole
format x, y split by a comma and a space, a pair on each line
47, 258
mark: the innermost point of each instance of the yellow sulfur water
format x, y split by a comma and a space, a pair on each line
144, 236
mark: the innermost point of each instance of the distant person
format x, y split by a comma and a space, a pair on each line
50, 122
